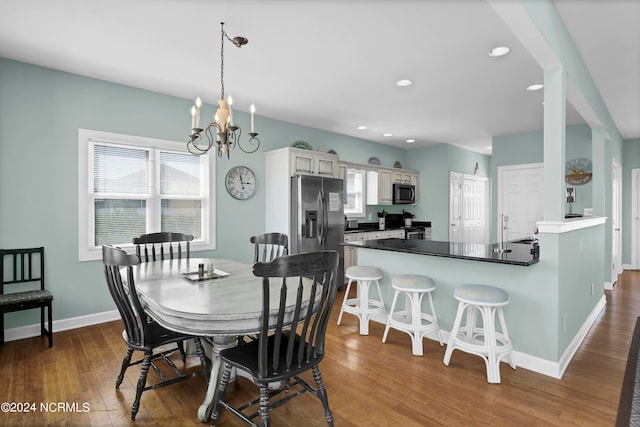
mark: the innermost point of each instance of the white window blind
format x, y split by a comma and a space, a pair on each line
121, 188
181, 193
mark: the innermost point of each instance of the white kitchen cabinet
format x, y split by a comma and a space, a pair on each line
351, 253
405, 177
393, 234
305, 162
379, 187
413, 180
375, 235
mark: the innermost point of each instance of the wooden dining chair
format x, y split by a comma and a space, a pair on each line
22, 271
164, 245
269, 246
141, 333
282, 352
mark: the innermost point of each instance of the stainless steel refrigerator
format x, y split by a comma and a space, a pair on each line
317, 216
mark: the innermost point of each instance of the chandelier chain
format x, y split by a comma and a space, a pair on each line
222, 60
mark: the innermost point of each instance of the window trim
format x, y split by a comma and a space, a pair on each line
359, 213
86, 252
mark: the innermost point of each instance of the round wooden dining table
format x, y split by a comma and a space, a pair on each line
221, 308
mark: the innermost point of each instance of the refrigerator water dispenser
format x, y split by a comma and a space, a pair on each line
310, 224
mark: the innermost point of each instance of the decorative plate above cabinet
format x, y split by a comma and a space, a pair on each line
301, 144
374, 161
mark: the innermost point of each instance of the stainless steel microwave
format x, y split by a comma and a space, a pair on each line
404, 194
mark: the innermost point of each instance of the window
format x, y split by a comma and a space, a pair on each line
130, 186
354, 200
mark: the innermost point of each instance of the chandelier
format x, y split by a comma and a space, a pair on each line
227, 133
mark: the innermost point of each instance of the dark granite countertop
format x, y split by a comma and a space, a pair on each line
373, 226
521, 253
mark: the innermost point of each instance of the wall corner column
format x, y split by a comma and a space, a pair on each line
555, 83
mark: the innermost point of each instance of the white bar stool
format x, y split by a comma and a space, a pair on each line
410, 320
483, 341
363, 306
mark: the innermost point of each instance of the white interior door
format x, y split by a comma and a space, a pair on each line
455, 207
520, 198
635, 218
469, 203
475, 225
616, 221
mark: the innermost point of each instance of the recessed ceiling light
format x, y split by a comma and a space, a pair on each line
387, 134
362, 127
499, 51
535, 87
410, 141
404, 82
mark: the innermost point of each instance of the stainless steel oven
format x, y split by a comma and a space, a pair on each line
414, 233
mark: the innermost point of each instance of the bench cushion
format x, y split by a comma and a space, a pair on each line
24, 297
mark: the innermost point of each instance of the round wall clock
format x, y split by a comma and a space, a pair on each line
578, 171
240, 182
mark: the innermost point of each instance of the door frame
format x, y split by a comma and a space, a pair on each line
616, 264
635, 218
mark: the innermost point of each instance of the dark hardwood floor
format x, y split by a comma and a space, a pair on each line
369, 383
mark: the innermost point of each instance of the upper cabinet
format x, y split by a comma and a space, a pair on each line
379, 187
305, 162
380, 184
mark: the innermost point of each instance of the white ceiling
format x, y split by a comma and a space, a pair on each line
332, 64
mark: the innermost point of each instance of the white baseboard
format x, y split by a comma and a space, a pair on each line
628, 267
608, 286
29, 331
557, 369
581, 335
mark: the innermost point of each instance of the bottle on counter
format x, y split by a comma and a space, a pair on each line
535, 238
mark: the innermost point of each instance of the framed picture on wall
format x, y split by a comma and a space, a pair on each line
578, 171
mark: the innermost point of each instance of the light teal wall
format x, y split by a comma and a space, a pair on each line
435, 163
581, 251
579, 146
432, 162
40, 113
630, 161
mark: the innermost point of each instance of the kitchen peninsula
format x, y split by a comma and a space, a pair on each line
551, 306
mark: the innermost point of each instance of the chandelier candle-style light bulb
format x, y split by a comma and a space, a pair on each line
198, 104
253, 111
223, 131
230, 102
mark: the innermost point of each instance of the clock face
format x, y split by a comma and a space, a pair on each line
240, 182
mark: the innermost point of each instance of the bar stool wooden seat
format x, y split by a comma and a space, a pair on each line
362, 305
483, 341
412, 320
